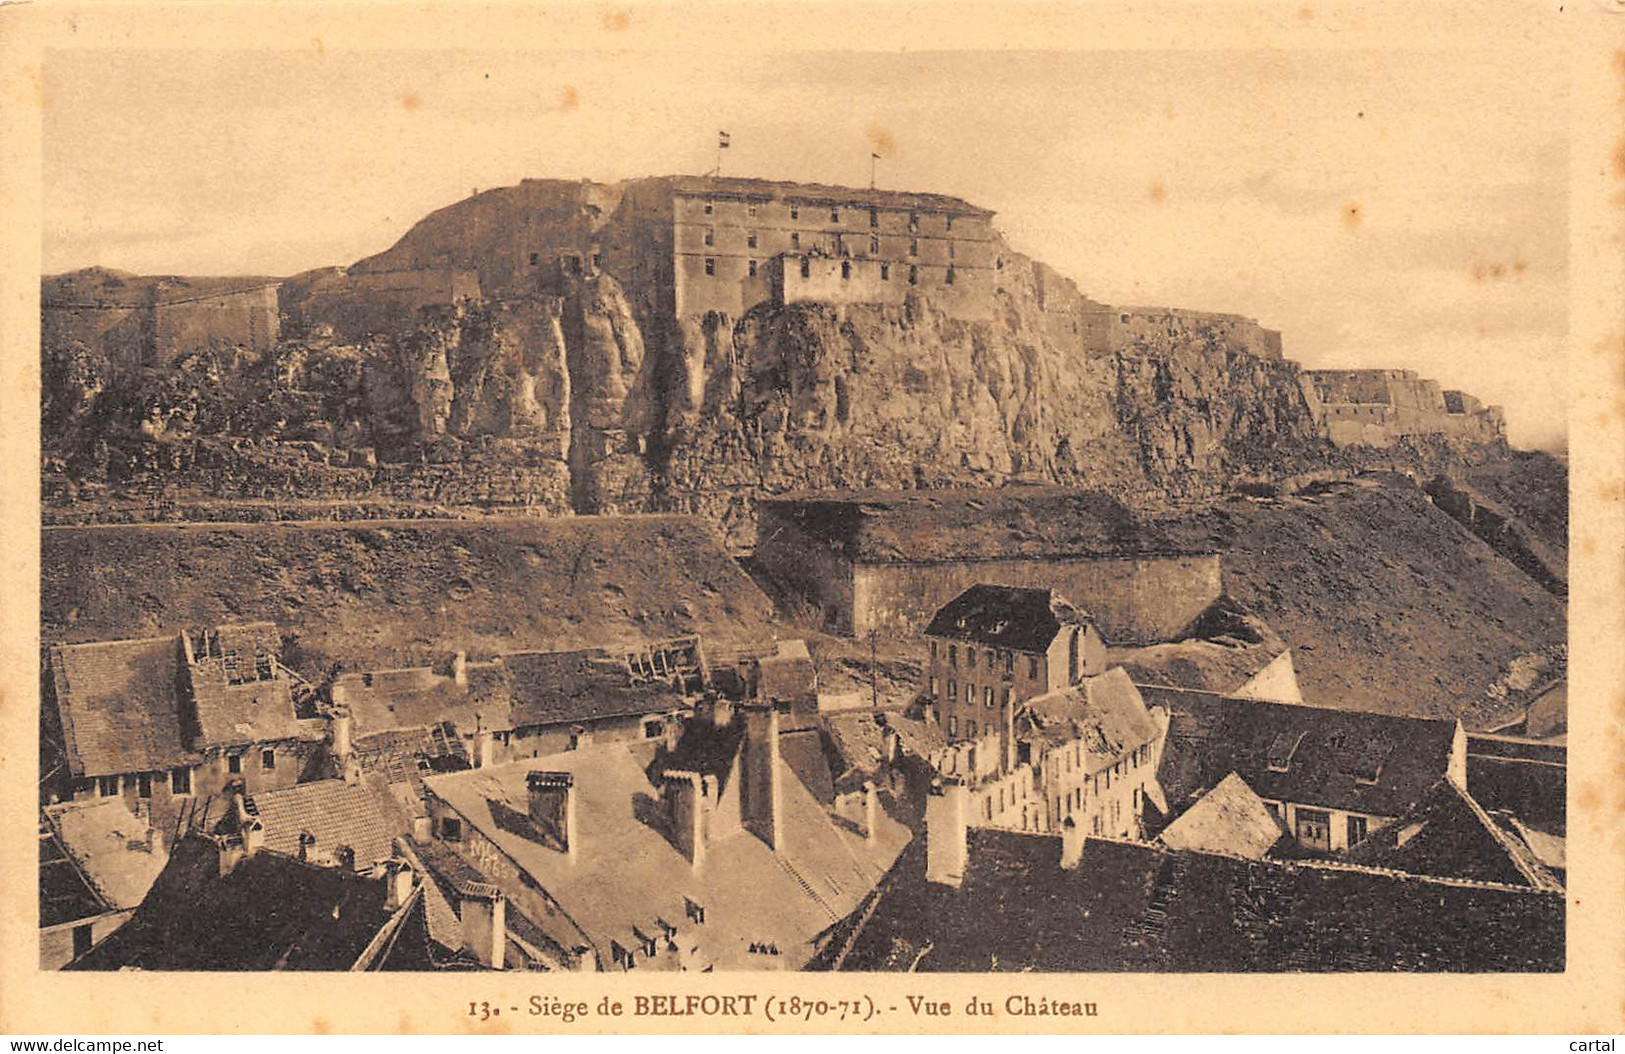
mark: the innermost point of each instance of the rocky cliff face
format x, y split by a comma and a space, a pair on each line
588, 395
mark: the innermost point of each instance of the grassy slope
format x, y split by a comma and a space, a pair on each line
395, 593
1387, 603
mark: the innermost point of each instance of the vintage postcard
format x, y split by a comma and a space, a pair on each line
813, 518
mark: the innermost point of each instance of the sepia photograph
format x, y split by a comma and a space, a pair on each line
626, 504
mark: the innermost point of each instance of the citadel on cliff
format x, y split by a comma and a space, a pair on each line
695, 573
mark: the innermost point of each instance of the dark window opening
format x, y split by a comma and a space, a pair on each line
885, 272
806, 268
710, 236
750, 239
451, 829
846, 269
950, 278
752, 268
180, 780
268, 760
710, 265
874, 216
914, 221
795, 241
234, 763
914, 246
652, 729
709, 208
874, 245
535, 258
913, 276
144, 784
795, 213
835, 215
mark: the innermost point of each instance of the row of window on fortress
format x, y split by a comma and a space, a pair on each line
846, 270
180, 777
835, 215
751, 239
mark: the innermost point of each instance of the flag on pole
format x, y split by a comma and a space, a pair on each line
722, 140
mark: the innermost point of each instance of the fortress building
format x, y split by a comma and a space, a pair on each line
151, 319
689, 245
1377, 407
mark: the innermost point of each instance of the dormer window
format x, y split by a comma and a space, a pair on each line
694, 910
1282, 748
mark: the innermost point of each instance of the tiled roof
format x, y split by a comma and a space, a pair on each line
1137, 907
1376, 764
333, 814
403, 757
627, 874
566, 687
120, 705
65, 894
1528, 780
419, 698
1006, 617
270, 912
1105, 712
1228, 819
936, 526
242, 695
116, 851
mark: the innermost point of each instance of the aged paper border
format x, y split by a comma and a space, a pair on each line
1586, 999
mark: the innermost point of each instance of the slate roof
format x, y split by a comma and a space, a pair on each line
627, 874
1137, 907
1106, 712
1521, 777
1228, 819
270, 913
419, 698
940, 526
1376, 764
112, 848
1006, 617
120, 705
335, 814
1450, 835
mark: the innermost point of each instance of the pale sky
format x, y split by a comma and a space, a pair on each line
1382, 209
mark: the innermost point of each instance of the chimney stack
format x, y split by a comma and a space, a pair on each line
485, 747
762, 804
890, 744
484, 911
553, 808
871, 812
400, 880
1072, 839
459, 669
686, 798
945, 851
342, 727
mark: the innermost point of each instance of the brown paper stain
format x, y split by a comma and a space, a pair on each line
1158, 194
881, 141
1306, 13
1588, 797
1353, 215
617, 21
321, 49
320, 1026
1619, 159
411, 101
1497, 271
569, 98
